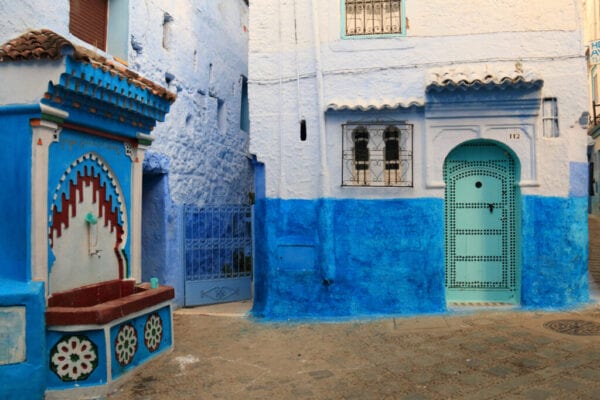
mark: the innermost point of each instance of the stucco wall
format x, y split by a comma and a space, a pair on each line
198, 50
592, 19
297, 68
201, 55
302, 69
22, 302
379, 244
13, 232
23, 377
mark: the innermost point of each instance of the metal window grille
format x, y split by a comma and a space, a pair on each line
377, 154
550, 117
373, 17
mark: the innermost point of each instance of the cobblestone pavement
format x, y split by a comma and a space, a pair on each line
488, 354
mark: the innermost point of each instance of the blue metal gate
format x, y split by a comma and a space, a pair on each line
218, 254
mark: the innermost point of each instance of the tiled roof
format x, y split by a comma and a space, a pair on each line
376, 105
481, 77
34, 45
45, 44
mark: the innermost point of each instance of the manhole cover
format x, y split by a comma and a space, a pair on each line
577, 327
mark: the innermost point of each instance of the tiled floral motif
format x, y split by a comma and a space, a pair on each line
153, 332
74, 358
126, 344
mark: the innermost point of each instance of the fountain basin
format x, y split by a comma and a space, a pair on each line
98, 333
103, 302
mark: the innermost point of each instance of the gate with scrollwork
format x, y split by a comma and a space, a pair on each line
218, 254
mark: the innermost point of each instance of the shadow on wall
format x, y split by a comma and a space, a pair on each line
161, 228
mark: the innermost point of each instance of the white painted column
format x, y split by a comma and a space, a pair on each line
44, 133
138, 155
136, 215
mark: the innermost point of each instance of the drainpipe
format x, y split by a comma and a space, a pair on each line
325, 206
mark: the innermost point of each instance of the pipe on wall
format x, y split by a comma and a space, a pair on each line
325, 210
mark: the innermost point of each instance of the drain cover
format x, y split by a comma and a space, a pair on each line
576, 327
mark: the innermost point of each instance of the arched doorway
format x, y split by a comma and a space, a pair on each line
482, 224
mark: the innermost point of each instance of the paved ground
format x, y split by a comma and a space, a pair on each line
490, 354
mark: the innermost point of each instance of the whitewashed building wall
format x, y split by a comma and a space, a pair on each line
481, 56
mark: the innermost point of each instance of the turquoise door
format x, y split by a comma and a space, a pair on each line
481, 225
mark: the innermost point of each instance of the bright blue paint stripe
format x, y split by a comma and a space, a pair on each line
18, 109
96, 121
98, 376
15, 196
389, 258
26, 380
142, 354
555, 252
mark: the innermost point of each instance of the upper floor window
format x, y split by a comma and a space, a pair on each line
360, 138
377, 154
373, 17
595, 80
88, 20
244, 110
102, 23
550, 117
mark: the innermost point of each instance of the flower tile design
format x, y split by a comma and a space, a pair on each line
153, 332
74, 358
126, 344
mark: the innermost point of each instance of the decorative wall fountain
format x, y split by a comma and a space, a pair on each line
80, 124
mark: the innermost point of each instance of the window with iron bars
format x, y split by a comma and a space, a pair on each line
373, 17
377, 154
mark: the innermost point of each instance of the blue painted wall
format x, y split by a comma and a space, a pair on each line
13, 384
200, 53
72, 145
15, 273
161, 230
142, 354
555, 252
389, 258
15, 181
98, 376
28, 379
